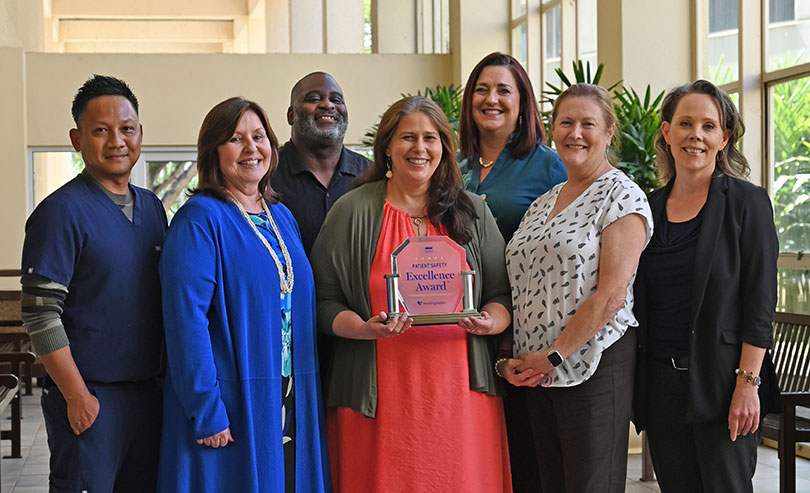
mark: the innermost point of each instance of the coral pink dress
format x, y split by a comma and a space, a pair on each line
431, 432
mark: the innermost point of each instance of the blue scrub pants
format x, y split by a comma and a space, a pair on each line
119, 452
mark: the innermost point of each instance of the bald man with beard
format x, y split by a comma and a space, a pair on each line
314, 167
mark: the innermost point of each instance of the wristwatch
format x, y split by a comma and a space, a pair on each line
554, 357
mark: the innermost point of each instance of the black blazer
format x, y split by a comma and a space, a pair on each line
733, 295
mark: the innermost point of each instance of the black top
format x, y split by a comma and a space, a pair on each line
670, 262
304, 195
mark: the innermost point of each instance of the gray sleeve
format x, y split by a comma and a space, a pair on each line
41, 306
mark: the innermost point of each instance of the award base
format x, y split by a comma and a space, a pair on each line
440, 318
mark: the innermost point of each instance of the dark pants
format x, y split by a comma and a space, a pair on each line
581, 432
693, 457
522, 456
119, 452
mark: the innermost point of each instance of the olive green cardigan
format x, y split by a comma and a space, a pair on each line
341, 261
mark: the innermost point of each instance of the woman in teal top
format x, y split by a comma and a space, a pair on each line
501, 139
505, 161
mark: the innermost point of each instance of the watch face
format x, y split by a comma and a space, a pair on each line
555, 358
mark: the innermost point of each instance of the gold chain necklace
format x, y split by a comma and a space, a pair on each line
417, 223
483, 164
286, 283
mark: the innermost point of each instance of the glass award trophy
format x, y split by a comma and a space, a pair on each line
430, 279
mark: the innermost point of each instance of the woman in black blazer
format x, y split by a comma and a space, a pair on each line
705, 298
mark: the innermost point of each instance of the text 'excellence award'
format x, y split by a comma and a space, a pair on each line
430, 277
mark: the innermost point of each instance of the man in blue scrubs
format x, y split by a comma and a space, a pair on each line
91, 304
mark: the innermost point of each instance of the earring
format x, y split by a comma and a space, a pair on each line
520, 119
388, 174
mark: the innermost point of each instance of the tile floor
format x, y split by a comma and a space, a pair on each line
30, 474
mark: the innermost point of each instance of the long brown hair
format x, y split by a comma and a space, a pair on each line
448, 204
529, 132
730, 162
217, 127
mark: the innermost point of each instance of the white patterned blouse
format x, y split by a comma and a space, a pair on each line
554, 267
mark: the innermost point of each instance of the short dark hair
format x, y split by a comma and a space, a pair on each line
302, 79
731, 162
529, 132
448, 204
217, 127
97, 86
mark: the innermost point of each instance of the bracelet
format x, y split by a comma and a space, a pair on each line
503, 353
498, 362
748, 376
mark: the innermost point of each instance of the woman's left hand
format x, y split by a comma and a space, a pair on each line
478, 326
743, 415
538, 363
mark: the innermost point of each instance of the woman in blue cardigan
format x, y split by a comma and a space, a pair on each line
242, 408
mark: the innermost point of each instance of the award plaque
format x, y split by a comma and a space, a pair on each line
429, 277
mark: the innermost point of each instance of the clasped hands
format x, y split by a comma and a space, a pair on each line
527, 370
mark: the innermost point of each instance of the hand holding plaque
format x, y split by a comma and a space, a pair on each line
429, 277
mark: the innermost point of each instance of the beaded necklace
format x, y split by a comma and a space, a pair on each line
285, 282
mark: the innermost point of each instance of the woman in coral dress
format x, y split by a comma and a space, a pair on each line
411, 408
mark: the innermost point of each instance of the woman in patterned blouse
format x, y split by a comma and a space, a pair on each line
571, 342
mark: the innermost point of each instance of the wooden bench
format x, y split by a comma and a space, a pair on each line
15, 360
9, 390
791, 357
13, 337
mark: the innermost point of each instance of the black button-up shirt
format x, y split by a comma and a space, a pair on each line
304, 195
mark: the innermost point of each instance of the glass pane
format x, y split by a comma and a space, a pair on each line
52, 170
519, 43
170, 180
793, 294
586, 31
367, 26
789, 129
788, 33
518, 8
721, 65
552, 51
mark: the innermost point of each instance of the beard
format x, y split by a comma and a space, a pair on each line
305, 125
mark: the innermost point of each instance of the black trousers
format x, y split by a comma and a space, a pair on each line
119, 452
693, 457
581, 432
522, 455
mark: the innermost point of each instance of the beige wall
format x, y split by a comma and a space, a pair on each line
477, 28
175, 91
13, 171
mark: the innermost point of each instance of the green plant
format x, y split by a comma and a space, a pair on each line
638, 122
447, 97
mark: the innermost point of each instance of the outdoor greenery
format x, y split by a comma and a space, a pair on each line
638, 122
447, 97
791, 185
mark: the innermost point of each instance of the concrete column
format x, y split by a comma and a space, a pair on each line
344, 20
306, 26
395, 26
752, 98
474, 35
277, 22
642, 42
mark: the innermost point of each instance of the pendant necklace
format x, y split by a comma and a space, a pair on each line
483, 164
417, 224
285, 282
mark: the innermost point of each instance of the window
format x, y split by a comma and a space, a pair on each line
586, 32
552, 45
168, 173
720, 61
788, 33
520, 32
